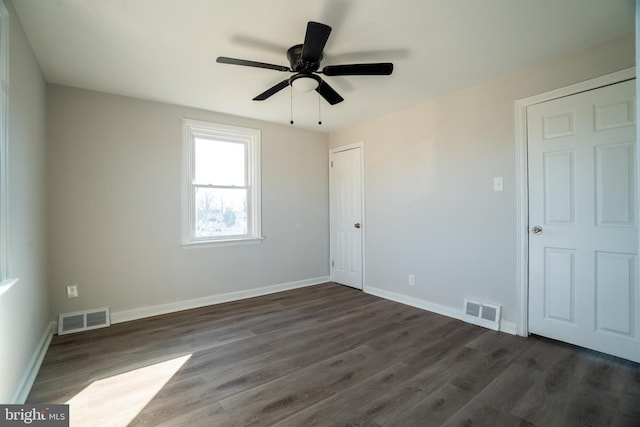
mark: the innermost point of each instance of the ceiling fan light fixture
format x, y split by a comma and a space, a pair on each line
305, 82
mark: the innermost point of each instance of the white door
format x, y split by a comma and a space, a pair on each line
346, 216
583, 236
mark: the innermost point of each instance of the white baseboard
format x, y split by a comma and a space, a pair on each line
156, 310
507, 327
29, 376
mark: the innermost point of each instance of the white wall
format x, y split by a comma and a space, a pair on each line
24, 309
637, 38
114, 216
430, 206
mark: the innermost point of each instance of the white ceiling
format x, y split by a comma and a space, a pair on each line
165, 50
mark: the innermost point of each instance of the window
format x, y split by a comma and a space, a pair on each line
221, 184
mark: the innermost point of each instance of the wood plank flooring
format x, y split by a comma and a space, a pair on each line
329, 355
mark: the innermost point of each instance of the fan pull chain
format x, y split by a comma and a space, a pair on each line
319, 111
291, 93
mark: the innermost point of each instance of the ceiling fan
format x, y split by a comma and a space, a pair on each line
304, 60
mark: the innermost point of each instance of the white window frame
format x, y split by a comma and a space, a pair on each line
193, 129
6, 281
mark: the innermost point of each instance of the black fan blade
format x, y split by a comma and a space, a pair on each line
272, 90
233, 61
314, 41
379, 69
328, 93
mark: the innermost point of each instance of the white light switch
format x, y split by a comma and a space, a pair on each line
498, 183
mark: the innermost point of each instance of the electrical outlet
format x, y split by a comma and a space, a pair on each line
72, 291
412, 280
498, 183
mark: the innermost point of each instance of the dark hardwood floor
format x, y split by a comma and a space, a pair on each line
329, 355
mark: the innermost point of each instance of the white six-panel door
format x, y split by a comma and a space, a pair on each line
346, 216
583, 239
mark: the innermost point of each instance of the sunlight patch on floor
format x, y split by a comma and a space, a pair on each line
117, 400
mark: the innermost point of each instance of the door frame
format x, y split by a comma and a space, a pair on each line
363, 221
522, 180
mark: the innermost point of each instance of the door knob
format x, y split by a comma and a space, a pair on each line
356, 225
536, 229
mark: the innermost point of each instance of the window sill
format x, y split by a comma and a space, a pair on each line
7, 284
217, 243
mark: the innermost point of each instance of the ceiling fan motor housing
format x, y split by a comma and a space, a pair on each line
294, 55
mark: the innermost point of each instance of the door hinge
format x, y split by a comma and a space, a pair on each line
332, 264
331, 163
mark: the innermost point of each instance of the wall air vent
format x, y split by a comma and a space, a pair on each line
83, 320
482, 314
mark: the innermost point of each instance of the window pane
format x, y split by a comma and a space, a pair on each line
219, 162
221, 212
